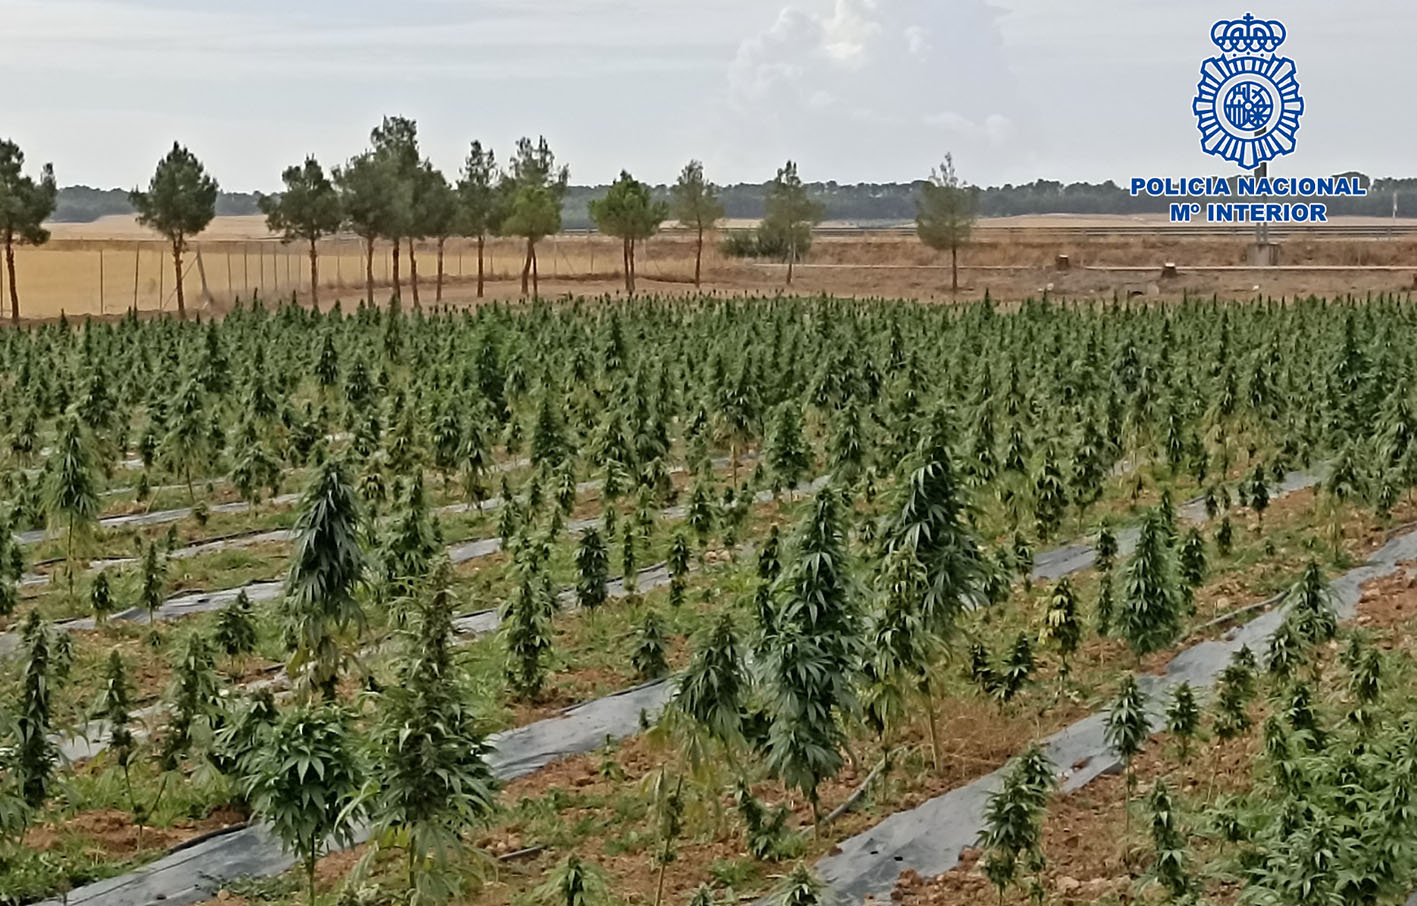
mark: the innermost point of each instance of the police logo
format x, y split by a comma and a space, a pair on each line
1247, 104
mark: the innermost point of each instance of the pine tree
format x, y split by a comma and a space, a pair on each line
629, 212
1150, 618
29, 202
326, 569
308, 210
1126, 731
696, 205
71, 495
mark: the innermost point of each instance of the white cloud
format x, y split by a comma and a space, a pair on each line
884, 84
849, 32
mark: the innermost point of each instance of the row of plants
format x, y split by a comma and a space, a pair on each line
893, 568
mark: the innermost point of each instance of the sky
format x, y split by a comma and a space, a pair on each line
854, 90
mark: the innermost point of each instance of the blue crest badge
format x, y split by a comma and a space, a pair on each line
1247, 104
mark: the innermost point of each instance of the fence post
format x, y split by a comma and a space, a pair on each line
100, 281
137, 259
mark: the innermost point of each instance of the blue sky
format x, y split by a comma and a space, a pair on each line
854, 90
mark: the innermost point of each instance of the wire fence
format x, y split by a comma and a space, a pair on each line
104, 277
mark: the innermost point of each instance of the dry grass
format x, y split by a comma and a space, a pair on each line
112, 264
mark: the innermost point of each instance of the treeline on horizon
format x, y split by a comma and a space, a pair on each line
858, 202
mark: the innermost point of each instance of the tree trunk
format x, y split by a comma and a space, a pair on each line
314, 277
438, 297
526, 265
369, 270
413, 270
535, 275
481, 244
10, 271
628, 252
397, 286
177, 272
699, 257
954, 268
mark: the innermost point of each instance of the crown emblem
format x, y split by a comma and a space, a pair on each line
1247, 104
1248, 35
